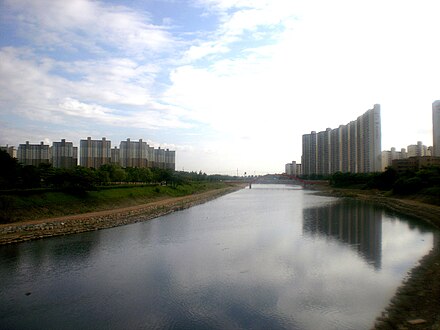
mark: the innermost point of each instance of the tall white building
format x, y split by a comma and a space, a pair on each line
94, 153
170, 159
290, 168
64, 154
33, 154
355, 147
133, 154
436, 127
309, 158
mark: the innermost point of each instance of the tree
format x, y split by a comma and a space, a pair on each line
145, 175
30, 177
9, 171
118, 175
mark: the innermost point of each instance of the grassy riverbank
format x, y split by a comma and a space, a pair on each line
37, 204
116, 216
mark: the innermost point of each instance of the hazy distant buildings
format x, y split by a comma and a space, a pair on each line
418, 150
293, 169
436, 127
290, 168
389, 155
64, 154
33, 154
355, 147
94, 153
10, 150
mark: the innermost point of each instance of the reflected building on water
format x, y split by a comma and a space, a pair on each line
354, 223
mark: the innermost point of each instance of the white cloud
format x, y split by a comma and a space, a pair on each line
237, 18
93, 25
31, 88
75, 108
264, 72
326, 67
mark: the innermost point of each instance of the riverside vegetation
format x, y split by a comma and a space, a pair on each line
30, 192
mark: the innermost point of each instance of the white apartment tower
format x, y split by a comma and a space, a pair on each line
94, 153
133, 154
290, 168
355, 147
436, 127
33, 154
309, 158
64, 154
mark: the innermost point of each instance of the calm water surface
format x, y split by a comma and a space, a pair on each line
270, 257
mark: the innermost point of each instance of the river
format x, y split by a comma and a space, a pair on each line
270, 257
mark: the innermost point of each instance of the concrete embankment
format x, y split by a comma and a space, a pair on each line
28, 230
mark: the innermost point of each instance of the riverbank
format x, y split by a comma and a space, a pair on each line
35, 229
416, 304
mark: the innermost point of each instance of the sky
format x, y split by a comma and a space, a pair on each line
231, 85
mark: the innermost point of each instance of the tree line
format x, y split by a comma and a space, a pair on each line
14, 175
425, 181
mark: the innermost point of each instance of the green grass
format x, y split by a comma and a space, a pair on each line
52, 204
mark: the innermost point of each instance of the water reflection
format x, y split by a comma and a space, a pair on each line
351, 222
245, 260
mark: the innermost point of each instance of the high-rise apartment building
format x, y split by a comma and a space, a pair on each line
290, 168
355, 147
309, 158
370, 141
64, 154
436, 128
33, 154
293, 169
94, 153
170, 159
133, 153
115, 155
164, 158
323, 151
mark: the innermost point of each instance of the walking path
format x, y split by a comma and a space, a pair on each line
70, 224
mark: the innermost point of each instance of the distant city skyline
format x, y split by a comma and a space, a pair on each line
93, 154
230, 85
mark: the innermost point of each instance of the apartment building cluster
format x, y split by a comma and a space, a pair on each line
413, 150
354, 147
293, 169
417, 155
93, 154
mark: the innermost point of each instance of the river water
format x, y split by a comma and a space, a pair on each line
270, 257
